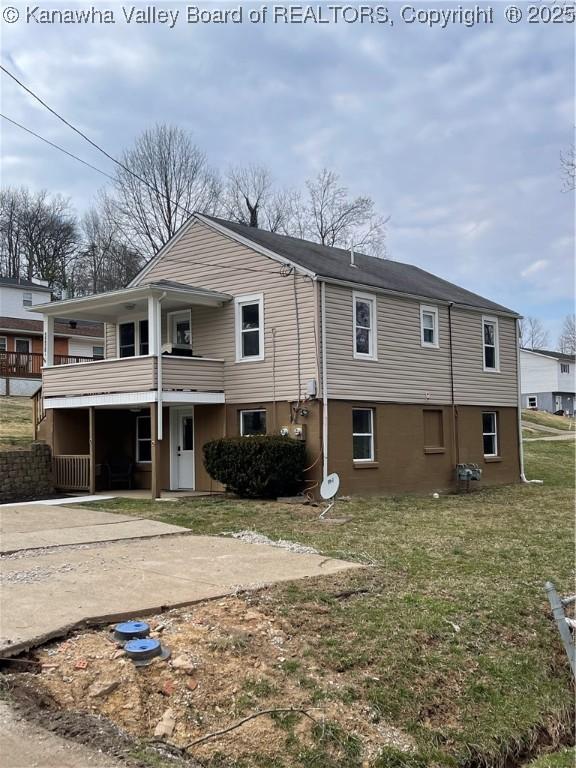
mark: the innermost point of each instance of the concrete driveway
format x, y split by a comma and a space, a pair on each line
74, 566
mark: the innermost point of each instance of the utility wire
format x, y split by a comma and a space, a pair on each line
93, 143
60, 149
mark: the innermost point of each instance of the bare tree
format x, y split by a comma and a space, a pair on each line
567, 340
169, 180
247, 193
568, 162
12, 257
334, 218
533, 335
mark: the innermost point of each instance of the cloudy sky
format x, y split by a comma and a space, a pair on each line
456, 133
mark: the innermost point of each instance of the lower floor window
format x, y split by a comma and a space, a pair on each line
363, 434
143, 439
490, 433
533, 402
253, 422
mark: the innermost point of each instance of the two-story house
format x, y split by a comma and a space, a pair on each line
548, 380
21, 336
391, 375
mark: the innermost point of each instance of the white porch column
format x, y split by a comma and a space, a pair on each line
154, 342
48, 342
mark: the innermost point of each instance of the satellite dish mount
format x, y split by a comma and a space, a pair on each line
328, 491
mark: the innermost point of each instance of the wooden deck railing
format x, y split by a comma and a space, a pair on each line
72, 473
38, 412
28, 365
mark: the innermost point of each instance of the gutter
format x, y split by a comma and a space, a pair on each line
519, 411
324, 381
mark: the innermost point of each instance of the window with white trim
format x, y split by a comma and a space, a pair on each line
249, 327
364, 326
181, 328
532, 401
564, 367
133, 336
429, 326
490, 344
363, 434
3, 344
490, 433
27, 299
252, 423
143, 439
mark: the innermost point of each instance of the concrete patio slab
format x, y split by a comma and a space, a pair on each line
45, 594
38, 525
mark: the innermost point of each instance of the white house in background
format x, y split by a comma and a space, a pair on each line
21, 336
548, 380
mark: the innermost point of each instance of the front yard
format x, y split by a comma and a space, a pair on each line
15, 423
445, 636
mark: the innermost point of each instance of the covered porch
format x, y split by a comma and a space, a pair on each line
119, 449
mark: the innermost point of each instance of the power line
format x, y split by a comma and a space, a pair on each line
93, 143
60, 149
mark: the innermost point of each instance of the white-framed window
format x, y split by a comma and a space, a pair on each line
490, 433
143, 439
23, 346
429, 326
363, 434
532, 401
490, 344
252, 422
98, 353
180, 325
27, 299
133, 338
365, 342
249, 327
3, 344
564, 367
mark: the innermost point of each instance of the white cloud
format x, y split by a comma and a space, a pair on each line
535, 267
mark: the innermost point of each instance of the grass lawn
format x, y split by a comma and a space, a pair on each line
447, 635
548, 420
15, 423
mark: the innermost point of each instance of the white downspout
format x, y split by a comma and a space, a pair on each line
324, 382
519, 410
158, 329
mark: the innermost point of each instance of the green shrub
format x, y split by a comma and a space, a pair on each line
263, 466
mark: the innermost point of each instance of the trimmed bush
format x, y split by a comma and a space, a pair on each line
263, 466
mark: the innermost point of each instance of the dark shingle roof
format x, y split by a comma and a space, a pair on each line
551, 353
16, 282
62, 327
334, 263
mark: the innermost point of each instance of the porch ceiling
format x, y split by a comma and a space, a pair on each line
107, 307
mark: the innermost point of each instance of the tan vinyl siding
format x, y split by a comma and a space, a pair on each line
194, 375
406, 372
473, 385
204, 258
130, 374
110, 348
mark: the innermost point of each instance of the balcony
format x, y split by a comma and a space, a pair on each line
135, 379
28, 365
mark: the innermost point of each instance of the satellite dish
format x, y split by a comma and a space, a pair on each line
330, 485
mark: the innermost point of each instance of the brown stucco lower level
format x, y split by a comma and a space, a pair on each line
403, 462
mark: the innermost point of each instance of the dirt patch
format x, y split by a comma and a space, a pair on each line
229, 660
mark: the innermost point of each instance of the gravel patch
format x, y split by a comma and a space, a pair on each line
252, 537
34, 574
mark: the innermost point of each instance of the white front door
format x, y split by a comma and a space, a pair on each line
182, 469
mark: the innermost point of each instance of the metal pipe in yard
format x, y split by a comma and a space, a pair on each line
519, 411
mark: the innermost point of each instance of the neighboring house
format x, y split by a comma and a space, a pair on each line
21, 337
548, 380
391, 375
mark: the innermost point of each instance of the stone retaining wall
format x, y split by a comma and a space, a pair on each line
26, 474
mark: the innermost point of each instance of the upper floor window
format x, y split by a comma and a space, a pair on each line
252, 423
3, 344
133, 336
27, 299
490, 433
564, 367
249, 327
363, 434
181, 328
364, 326
429, 326
98, 353
490, 344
